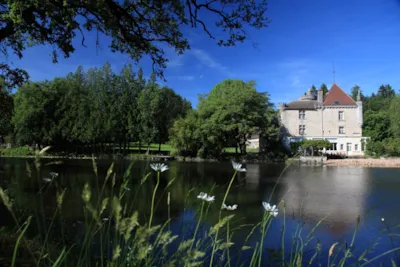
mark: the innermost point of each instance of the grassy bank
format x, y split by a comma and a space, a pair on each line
16, 151
140, 152
114, 233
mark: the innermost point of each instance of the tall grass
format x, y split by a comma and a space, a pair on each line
115, 234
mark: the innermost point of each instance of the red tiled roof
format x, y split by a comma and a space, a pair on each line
337, 96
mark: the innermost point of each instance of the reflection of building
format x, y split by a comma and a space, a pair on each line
252, 176
339, 193
336, 118
253, 141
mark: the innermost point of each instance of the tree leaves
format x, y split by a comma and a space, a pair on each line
95, 107
136, 28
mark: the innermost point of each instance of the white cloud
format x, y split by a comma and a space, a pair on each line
182, 77
296, 71
175, 61
207, 60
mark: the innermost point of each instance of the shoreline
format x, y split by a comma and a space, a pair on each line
155, 158
367, 162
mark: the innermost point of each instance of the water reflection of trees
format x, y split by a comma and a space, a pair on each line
312, 192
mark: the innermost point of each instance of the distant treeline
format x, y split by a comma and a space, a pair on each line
94, 109
382, 121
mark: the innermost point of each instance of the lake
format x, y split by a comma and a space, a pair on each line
310, 193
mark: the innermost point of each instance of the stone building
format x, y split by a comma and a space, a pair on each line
336, 118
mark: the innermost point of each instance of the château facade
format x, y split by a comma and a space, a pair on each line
336, 118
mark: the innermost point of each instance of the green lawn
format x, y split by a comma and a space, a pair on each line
153, 147
16, 151
249, 150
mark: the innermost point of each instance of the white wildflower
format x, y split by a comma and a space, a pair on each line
127, 188
53, 175
383, 219
271, 209
238, 167
210, 198
227, 207
47, 180
206, 197
159, 167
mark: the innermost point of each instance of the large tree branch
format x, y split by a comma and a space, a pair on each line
7, 31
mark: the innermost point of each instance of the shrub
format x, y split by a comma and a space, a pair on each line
16, 151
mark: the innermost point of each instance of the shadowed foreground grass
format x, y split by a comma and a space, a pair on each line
115, 234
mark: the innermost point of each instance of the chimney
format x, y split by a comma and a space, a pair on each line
359, 95
320, 97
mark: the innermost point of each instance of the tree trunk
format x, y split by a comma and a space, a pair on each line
159, 147
148, 149
243, 148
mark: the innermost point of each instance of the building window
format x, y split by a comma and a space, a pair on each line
302, 114
341, 146
341, 130
334, 146
356, 147
348, 146
341, 115
337, 103
302, 129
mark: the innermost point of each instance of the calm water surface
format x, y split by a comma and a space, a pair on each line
309, 193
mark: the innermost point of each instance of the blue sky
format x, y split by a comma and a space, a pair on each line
303, 41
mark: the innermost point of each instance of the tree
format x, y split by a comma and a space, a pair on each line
314, 91
169, 107
394, 114
29, 114
233, 109
386, 91
6, 111
354, 93
148, 104
94, 110
185, 134
136, 28
324, 90
376, 125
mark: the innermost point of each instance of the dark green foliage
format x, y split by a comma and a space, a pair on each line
95, 108
314, 91
136, 28
394, 115
316, 144
186, 135
226, 117
324, 89
354, 93
381, 122
6, 107
376, 125
310, 144
388, 147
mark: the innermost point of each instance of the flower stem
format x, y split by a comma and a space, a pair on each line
219, 218
265, 221
197, 226
227, 242
154, 196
